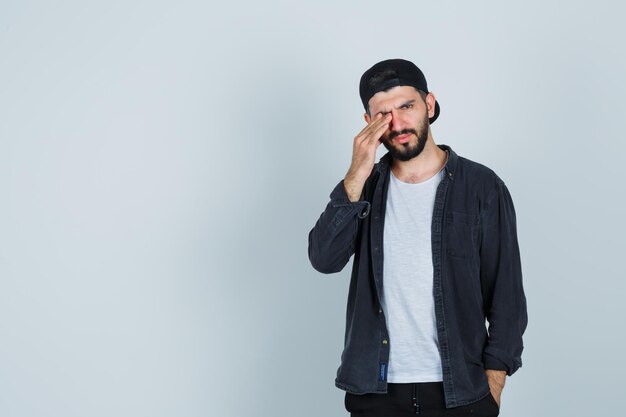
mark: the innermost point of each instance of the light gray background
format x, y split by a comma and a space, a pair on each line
161, 164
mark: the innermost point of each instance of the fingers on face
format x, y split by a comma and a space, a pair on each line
376, 127
371, 134
381, 128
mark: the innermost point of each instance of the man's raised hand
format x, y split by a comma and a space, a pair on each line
364, 155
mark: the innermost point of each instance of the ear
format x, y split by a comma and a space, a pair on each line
367, 118
430, 104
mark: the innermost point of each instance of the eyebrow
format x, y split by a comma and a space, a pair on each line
384, 111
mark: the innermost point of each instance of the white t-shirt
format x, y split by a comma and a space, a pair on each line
408, 282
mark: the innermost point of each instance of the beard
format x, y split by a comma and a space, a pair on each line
409, 150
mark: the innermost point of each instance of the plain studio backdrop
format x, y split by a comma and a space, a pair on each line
161, 165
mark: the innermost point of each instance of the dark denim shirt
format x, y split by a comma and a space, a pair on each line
477, 278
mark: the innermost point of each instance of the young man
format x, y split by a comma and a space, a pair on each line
435, 252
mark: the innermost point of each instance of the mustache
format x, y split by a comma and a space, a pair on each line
396, 133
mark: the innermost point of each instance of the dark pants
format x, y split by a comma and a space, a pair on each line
423, 400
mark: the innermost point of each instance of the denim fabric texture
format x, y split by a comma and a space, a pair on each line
477, 278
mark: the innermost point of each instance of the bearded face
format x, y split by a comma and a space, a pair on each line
408, 143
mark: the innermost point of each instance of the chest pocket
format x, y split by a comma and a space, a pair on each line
461, 234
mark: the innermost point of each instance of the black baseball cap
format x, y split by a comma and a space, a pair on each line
392, 73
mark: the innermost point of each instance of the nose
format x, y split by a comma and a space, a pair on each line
396, 123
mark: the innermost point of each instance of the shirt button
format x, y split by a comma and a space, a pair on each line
385, 342
380, 311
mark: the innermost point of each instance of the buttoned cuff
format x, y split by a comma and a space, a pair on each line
339, 198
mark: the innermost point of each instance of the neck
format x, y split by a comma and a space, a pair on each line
423, 166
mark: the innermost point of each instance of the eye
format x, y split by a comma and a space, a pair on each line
406, 106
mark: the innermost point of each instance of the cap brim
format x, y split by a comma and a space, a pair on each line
432, 119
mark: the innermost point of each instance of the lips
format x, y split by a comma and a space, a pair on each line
403, 138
